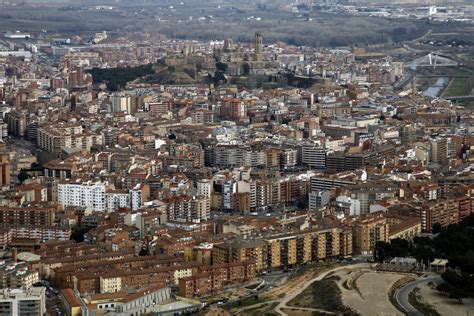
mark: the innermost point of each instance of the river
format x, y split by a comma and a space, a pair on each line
435, 89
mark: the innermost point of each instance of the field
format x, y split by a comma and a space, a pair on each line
458, 86
208, 20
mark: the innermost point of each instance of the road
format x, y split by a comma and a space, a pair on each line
297, 291
403, 294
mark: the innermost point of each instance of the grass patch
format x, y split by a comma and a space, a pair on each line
252, 300
425, 309
458, 86
324, 295
267, 310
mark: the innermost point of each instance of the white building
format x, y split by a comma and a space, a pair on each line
204, 187
3, 129
229, 188
121, 103
352, 204
23, 301
317, 200
115, 199
136, 199
87, 194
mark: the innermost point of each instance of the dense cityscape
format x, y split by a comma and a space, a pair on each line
215, 164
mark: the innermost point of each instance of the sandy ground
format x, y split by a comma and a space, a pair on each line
445, 305
369, 293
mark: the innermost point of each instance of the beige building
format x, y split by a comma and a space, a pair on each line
110, 285
299, 248
367, 231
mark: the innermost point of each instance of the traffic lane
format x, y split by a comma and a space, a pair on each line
402, 295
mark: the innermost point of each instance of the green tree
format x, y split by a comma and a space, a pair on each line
22, 176
222, 67
78, 233
437, 228
246, 68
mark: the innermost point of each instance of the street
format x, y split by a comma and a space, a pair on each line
403, 294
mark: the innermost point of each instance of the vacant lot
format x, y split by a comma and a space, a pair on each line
443, 305
324, 295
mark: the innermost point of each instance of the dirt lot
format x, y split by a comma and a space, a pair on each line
443, 304
366, 291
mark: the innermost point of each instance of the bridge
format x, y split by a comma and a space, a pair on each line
432, 60
442, 76
460, 98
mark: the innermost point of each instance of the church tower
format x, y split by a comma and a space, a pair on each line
258, 46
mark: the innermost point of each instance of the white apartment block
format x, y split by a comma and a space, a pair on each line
117, 199
204, 187
88, 194
136, 199
23, 301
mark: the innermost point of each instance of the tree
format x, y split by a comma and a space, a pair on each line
380, 251
246, 68
22, 176
457, 284
222, 67
437, 228
144, 252
78, 233
424, 254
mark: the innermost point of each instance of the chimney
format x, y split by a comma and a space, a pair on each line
14, 255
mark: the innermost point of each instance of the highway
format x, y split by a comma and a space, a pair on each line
403, 293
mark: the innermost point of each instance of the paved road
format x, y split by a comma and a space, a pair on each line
297, 291
403, 294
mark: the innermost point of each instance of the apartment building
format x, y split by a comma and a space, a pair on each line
241, 251
116, 199
5, 237
54, 140
16, 122
368, 230
441, 211
133, 279
188, 208
4, 171
16, 275
29, 301
297, 248
313, 156
228, 156
87, 194
213, 278
42, 233
139, 194
204, 187
23, 216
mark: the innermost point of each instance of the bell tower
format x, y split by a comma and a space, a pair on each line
258, 46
